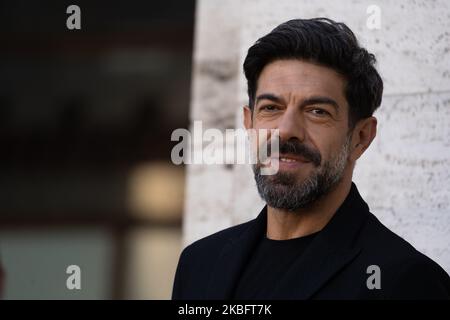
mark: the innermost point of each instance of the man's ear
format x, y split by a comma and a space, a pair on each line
363, 134
247, 117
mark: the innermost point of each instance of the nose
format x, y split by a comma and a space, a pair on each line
291, 125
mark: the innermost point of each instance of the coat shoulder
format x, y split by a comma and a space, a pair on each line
408, 273
197, 260
385, 244
212, 244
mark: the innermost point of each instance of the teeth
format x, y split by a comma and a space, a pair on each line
287, 160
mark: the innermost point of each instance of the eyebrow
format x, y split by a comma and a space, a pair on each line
268, 96
309, 101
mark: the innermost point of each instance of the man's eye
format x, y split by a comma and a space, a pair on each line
320, 112
268, 108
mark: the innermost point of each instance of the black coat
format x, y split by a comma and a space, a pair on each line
334, 266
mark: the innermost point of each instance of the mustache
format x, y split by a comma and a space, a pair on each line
295, 147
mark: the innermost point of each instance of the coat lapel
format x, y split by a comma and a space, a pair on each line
233, 258
333, 248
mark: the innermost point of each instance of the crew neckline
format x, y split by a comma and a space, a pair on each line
293, 240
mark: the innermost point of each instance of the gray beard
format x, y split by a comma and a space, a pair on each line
283, 191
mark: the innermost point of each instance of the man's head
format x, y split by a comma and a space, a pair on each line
312, 81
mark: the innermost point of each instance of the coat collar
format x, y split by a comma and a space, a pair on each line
333, 248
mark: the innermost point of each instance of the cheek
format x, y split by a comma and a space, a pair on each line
263, 131
328, 144
263, 140
336, 148
265, 122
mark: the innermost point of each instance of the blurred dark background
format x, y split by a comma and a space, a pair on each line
85, 123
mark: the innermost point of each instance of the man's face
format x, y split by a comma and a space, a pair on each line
306, 103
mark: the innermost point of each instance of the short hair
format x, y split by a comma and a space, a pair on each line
324, 42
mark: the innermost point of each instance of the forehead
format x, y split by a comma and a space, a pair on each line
301, 78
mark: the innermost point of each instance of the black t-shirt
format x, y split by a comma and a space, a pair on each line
270, 260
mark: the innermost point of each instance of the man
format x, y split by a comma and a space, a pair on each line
316, 238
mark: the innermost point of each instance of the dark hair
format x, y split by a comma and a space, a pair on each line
325, 42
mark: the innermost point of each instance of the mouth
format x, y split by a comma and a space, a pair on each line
289, 158
289, 161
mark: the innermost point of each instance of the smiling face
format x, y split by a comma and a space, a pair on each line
306, 103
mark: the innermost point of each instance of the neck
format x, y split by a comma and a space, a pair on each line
284, 225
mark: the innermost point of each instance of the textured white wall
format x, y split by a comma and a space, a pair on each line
405, 174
